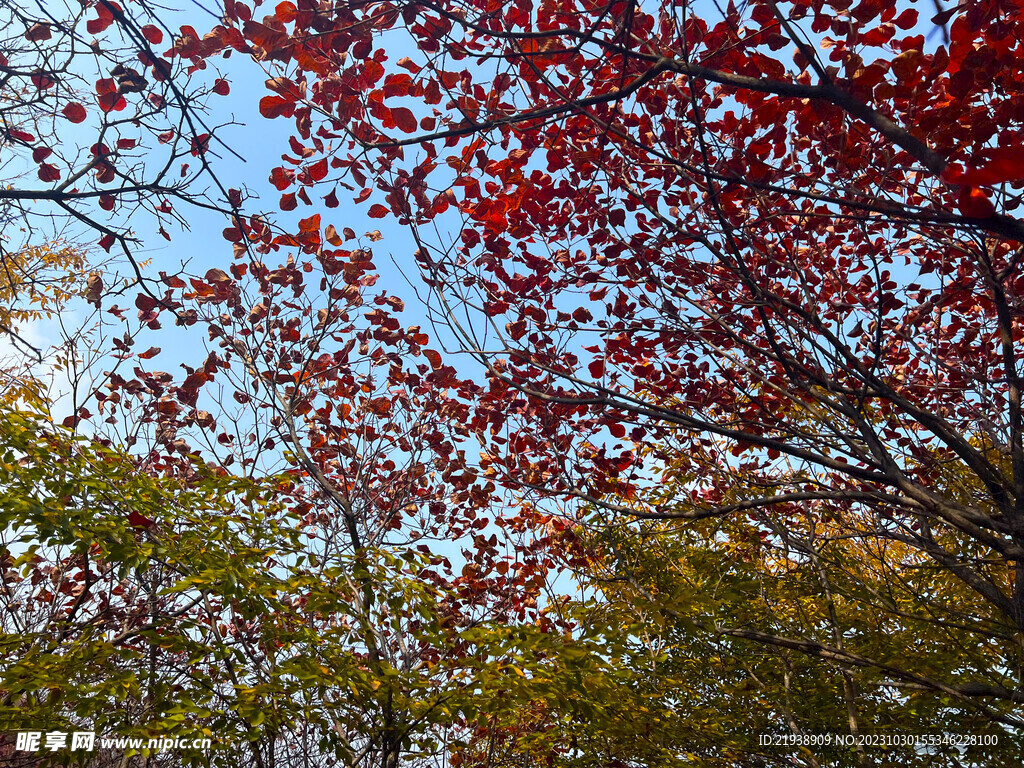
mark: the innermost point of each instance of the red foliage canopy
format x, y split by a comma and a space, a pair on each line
797, 212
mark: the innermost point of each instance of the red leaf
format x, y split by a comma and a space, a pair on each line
298, 147
139, 520
282, 178
145, 302
952, 173
372, 71
617, 430
404, 119
400, 84
974, 203
285, 12
318, 171
221, 87
331, 200
19, 135
433, 357
200, 144
38, 32
104, 172
907, 19
596, 369
312, 224
49, 172
276, 106
95, 26
42, 81
377, 211
1003, 164
74, 112
149, 353
111, 102
217, 276
267, 38
106, 242
41, 153
406, 63
152, 34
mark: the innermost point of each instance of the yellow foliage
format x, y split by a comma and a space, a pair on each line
36, 282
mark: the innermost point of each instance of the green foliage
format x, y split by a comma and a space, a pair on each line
123, 589
187, 604
743, 623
